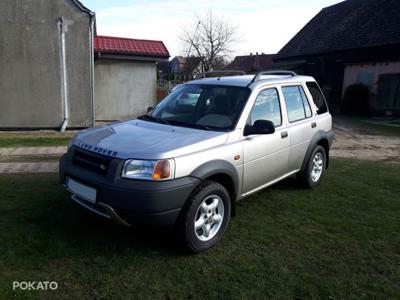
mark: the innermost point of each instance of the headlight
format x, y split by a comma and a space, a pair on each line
149, 169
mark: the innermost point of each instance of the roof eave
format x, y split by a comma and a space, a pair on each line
127, 56
83, 8
336, 52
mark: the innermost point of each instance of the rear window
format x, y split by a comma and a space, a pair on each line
318, 97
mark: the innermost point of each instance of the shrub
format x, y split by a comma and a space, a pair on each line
356, 100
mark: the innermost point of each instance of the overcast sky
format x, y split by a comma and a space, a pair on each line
263, 25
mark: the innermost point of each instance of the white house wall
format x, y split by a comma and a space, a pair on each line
30, 80
123, 89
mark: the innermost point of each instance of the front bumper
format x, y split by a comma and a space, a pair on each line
128, 202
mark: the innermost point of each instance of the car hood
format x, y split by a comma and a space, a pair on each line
147, 140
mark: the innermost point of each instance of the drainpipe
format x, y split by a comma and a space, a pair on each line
91, 41
63, 73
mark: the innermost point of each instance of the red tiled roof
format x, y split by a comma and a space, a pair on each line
117, 45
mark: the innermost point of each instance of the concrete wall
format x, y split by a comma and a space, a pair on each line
30, 80
124, 89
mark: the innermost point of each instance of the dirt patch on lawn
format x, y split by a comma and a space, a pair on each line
29, 158
354, 141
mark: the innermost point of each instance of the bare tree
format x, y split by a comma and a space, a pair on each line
211, 38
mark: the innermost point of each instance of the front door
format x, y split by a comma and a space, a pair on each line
265, 155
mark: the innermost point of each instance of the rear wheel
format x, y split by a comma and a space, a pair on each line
205, 217
312, 175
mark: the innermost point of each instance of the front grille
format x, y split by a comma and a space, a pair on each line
92, 161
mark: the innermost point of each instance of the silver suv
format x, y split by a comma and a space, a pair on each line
207, 145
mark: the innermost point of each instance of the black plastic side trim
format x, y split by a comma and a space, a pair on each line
318, 136
216, 167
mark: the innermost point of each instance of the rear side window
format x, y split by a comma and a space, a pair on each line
306, 104
318, 97
267, 107
297, 105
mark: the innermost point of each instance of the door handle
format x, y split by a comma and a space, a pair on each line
284, 134
313, 125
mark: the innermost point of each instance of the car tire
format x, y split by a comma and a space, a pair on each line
312, 175
205, 217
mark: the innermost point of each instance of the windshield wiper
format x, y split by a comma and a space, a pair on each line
205, 127
153, 119
193, 125
179, 123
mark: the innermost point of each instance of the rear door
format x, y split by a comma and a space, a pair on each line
302, 123
265, 155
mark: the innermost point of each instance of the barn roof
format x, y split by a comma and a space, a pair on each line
188, 64
351, 24
126, 46
251, 63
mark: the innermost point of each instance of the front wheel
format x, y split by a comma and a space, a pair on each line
312, 175
205, 217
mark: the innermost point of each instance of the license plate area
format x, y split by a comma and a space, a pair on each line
83, 191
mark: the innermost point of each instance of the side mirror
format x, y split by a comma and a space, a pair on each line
259, 127
149, 109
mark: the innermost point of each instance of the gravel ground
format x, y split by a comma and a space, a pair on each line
29, 167
353, 141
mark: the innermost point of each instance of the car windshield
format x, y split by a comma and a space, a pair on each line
208, 107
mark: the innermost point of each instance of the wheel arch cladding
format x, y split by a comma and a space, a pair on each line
325, 144
222, 172
320, 138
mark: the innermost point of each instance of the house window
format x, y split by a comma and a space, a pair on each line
389, 91
365, 78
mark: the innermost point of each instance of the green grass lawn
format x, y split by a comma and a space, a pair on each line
34, 141
39, 138
338, 241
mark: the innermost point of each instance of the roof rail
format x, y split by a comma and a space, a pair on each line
222, 72
273, 72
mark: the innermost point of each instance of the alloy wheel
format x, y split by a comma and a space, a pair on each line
209, 218
317, 166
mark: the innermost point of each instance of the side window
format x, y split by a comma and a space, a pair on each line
318, 97
306, 104
189, 98
267, 107
294, 103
